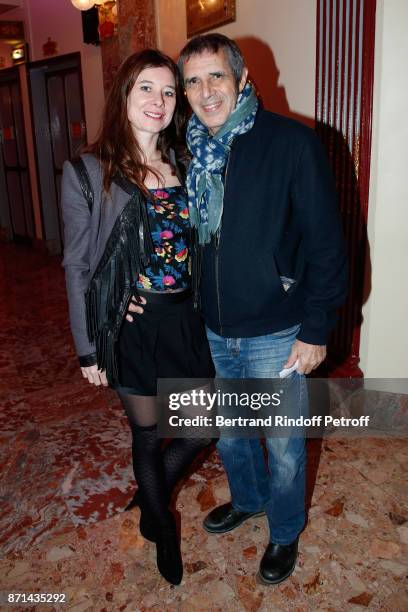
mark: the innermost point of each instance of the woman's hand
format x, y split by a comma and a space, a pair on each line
134, 306
94, 375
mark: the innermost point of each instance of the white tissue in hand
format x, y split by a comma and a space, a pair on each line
286, 371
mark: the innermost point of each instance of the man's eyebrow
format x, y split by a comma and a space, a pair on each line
211, 73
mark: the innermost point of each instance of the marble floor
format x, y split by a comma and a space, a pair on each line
66, 476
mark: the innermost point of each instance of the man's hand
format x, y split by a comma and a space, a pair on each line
135, 306
310, 356
95, 376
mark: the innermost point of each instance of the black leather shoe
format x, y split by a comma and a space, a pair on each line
278, 562
169, 561
225, 518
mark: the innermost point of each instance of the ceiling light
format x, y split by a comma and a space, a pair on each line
83, 5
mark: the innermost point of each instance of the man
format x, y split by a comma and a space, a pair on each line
262, 200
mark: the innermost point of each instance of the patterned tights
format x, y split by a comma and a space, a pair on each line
156, 471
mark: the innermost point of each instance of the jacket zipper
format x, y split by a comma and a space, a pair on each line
217, 248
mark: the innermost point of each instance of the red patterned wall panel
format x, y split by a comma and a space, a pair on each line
344, 94
136, 31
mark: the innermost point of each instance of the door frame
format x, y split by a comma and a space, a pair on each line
54, 63
7, 75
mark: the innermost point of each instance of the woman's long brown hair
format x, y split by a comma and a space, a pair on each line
116, 146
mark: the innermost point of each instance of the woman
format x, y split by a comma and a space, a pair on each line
136, 240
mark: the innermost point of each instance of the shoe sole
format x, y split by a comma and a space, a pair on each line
235, 526
261, 580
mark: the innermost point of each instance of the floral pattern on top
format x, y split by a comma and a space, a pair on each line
170, 265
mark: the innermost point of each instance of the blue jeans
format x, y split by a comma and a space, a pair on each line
280, 491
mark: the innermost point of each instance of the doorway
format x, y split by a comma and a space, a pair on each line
16, 212
59, 132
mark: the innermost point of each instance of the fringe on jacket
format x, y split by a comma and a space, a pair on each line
126, 255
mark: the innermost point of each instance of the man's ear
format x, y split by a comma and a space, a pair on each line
243, 79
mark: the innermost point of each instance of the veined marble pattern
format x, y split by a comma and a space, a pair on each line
65, 445
66, 475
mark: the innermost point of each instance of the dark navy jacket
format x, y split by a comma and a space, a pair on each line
280, 219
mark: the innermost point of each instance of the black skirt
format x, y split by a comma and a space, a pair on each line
167, 341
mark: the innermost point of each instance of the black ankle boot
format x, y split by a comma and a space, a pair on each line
146, 526
135, 501
169, 561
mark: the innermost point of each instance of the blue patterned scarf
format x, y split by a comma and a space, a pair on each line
205, 177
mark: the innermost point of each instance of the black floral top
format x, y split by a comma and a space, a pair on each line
170, 266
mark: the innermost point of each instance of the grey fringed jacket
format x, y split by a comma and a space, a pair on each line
102, 260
